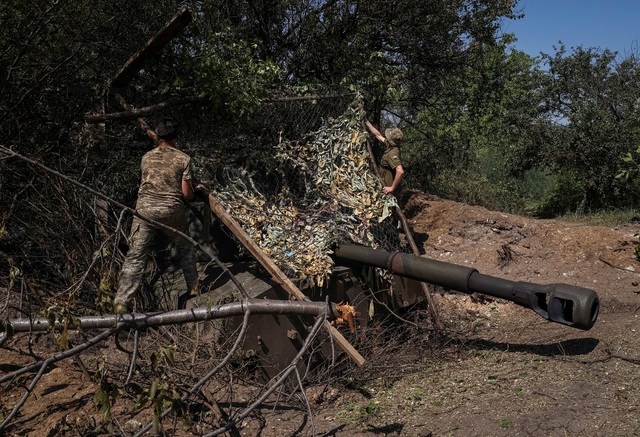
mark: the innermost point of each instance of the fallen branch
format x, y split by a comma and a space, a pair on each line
283, 376
143, 124
176, 317
43, 364
615, 266
195, 387
131, 113
133, 65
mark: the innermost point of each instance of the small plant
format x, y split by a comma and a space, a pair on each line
518, 391
14, 273
505, 423
160, 396
104, 300
416, 395
355, 414
372, 408
106, 394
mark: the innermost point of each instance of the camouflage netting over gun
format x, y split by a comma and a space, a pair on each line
325, 193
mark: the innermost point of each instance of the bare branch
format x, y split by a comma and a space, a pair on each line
176, 317
212, 372
132, 113
283, 376
43, 364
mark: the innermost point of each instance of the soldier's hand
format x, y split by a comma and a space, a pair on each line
201, 191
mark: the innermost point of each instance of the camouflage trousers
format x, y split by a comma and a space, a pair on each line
141, 240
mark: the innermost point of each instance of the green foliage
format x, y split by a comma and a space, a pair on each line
358, 413
505, 423
107, 392
474, 143
476, 189
590, 94
65, 321
566, 194
228, 73
631, 167
160, 394
372, 408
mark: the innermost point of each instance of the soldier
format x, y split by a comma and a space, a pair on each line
164, 190
391, 170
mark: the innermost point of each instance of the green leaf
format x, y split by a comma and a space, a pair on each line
101, 398
153, 390
168, 354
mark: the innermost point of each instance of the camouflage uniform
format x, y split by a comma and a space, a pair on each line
160, 199
390, 160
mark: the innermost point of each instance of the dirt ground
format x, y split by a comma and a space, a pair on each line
513, 373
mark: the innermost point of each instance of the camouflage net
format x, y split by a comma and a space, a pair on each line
325, 193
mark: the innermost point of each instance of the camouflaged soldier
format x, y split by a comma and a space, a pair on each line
164, 190
391, 170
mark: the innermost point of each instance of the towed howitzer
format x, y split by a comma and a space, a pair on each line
561, 303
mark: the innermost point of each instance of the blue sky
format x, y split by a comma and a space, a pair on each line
612, 24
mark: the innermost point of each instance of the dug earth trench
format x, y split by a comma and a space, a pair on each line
505, 371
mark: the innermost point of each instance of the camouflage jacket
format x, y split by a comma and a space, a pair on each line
163, 170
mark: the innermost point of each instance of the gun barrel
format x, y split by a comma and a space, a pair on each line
561, 303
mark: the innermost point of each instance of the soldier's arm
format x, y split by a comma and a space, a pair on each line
187, 190
374, 131
396, 180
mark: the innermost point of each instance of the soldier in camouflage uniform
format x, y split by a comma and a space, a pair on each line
164, 190
391, 170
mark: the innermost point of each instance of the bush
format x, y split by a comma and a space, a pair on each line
476, 189
566, 195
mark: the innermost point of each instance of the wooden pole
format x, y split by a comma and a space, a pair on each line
143, 124
178, 22
433, 312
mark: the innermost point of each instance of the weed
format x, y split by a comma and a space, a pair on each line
372, 408
356, 414
416, 395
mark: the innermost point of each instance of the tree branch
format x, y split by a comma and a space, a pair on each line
131, 113
177, 317
283, 376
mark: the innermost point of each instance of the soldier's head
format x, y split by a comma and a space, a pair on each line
394, 136
167, 129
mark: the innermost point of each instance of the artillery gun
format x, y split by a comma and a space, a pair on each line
560, 303
272, 341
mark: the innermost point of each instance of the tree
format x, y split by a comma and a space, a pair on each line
591, 98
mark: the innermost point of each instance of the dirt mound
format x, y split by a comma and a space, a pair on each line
521, 375
516, 374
